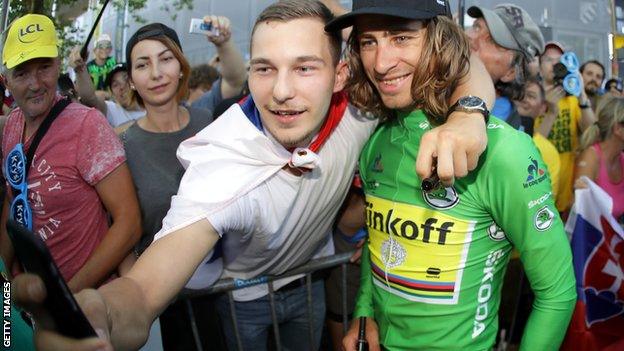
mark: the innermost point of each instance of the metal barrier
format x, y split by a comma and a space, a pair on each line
228, 285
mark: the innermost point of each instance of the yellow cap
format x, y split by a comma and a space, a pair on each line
29, 37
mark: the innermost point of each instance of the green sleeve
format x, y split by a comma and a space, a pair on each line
364, 301
516, 188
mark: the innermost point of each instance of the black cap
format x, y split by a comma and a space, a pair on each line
120, 67
409, 9
151, 30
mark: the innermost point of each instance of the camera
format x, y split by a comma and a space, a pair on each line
566, 74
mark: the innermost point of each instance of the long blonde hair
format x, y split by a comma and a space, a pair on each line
445, 60
609, 112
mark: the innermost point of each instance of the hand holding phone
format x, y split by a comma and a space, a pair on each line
217, 29
31, 251
199, 26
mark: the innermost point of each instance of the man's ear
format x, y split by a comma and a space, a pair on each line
342, 75
509, 76
6, 80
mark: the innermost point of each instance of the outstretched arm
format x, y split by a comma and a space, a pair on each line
458, 143
124, 309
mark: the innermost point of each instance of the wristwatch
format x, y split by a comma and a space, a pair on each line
470, 104
584, 105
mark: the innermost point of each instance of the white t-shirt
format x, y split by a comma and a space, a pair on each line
117, 115
286, 220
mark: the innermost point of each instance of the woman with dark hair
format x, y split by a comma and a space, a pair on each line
158, 74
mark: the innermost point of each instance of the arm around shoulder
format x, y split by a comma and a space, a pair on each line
460, 141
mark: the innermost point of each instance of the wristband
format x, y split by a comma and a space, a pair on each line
584, 105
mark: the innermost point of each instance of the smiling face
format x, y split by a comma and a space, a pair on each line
292, 78
390, 50
33, 85
155, 72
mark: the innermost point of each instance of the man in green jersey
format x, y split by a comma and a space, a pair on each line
433, 267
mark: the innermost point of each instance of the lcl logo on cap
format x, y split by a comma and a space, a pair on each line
29, 29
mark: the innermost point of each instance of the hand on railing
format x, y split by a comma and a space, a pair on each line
355, 258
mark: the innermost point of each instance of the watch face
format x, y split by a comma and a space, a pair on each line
471, 101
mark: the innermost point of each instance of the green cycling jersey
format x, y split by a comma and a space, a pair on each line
434, 263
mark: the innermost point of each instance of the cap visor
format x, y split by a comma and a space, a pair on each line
49, 51
348, 20
498, 29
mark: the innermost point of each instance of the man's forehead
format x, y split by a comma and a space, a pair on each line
34, 62
305, 37
593, 65
372, 23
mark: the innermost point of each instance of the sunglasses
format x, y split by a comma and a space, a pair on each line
104, 46
15, 166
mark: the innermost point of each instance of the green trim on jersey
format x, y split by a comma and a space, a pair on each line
434, 264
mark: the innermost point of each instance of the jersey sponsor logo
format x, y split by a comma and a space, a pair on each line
539, 201
544, 218
535, 175
442, 198
495, 232
377, 166
495, 126
392, 253
485, 292
416, 253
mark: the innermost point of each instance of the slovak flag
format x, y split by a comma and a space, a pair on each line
598, 257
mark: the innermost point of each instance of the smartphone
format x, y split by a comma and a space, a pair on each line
198, 26
60, 303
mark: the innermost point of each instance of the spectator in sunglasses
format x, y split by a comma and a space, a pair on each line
102, 64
